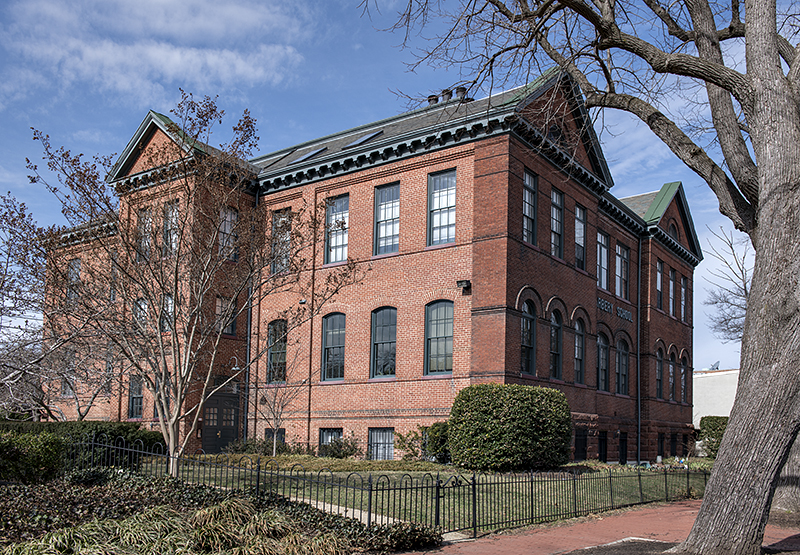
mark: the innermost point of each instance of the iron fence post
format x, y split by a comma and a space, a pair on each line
611, 489
533, 495
437, 491
258, 475
641, 493
574, 495
666, 486
369, 500
474, 506
687, 480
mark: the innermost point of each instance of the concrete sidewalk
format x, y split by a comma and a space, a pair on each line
664, 522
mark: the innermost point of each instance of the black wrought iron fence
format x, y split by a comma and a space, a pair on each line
467, 503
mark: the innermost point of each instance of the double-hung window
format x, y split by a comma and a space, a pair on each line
276, 352
659, 374
529, 208
528, 341
229, 218
557, 223
684, 297
144, 234
167, 319
602, 260
442, 208
140, 312
684, 373
659, 285
387, 219
281, 241
672, 377
384, 342
439, 337
622, 368
333, 328
169, 240
580, 342
555, 345
623, 262
602, 362
226, 316
337, 221
73, 279
672, 279
580, 237
135, 397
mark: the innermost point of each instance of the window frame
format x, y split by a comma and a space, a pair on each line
580, 237
281, 241
556, 223
436, 210
622, 271
603, 243
276, 352
140, 312
672, 284
580, 351
659, 374
166, 323
530, 184
228, 220
556, 345
326, 435
226, 327
448, 322
382, 207
378, 341
623, 367
528, 350
337, 227
135, 397
385, 448
144, 234
684, 298
170, 230
74, 279
672, 362
329, 350
683, 381
660, 284
603, 360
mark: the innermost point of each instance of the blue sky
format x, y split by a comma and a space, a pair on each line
86, 72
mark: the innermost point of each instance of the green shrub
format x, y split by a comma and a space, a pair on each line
341, 448
509, 427
711, 430
30, 458
436, 445
130, 432
411, 444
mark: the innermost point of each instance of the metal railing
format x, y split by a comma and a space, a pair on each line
467, 503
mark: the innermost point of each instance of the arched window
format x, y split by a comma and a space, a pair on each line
602, 362
672, 377
660, 374
580, 342
439, 337
333, 327
528, 340
384, 342
555, 345
673, 231
684, 373
622, 367
276, 353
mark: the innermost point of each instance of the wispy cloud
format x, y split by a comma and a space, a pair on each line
137, 48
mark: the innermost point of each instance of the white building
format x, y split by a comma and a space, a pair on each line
714, 392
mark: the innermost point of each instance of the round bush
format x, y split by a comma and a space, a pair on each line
509, 427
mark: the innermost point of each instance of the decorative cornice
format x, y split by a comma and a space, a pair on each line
670, 243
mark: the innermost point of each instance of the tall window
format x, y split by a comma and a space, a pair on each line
337, 221
169, 240
333, 326
226, 317
165, 323
387, 219
384, 342
112, 285
276, 353
602, 362
529, 208
442, 208
557, 223
580, 237
144, 234
73, 279
660, 374
439, 337
281, 241
140, 312
602, 260
580, 344
528, 342
228, 218
660, 285
672, 377
672, 292
555, 345
684, 373
622, 367
684, 296
135, 397
623, 260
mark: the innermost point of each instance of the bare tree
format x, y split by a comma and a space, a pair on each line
731, 281
164, 261
737, 67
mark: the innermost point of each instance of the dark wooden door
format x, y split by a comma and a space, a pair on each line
220, 422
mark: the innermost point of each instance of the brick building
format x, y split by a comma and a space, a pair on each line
492, 251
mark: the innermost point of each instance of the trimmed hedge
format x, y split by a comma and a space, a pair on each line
30, 458
128, 431
711, 430
437, 442
509, 427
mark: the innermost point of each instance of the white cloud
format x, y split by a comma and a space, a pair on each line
139, 48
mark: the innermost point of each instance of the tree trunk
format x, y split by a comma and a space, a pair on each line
787, 491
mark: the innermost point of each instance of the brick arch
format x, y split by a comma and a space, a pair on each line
439, 295
580, 312
604, 328
622, 334
685, 353
663, 346
555, 303
528, 293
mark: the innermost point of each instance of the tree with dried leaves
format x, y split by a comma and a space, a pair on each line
736, 67
167, 253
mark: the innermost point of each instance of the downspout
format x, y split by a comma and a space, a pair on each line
311, 321
639, 358
247, 355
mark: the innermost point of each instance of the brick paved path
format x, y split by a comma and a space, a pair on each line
669, 522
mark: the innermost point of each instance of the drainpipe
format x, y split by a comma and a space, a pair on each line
311, 321
639, 359
247, 356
